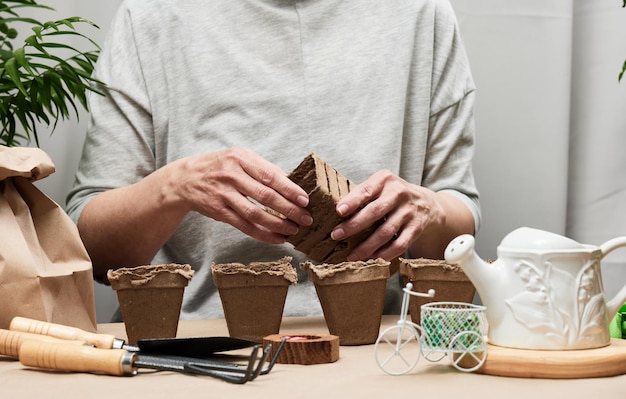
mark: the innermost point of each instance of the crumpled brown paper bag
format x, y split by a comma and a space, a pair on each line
45, 271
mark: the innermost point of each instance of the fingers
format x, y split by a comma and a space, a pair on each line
391, 239
365, 205
250, 212
234, 186
251, 229
363, 194
270, 175
400, 211
271, 187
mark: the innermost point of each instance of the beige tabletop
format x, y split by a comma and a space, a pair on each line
355, 374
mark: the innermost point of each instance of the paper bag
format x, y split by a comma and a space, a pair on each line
45, 271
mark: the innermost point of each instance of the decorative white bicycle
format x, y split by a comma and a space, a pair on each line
448, 328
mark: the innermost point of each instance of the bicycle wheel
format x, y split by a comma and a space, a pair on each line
398, 349
430, 351
469, 351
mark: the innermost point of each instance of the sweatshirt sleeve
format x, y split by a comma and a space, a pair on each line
451, 142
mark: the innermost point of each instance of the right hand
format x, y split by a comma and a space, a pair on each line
221, 185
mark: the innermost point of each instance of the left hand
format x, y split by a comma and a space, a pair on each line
405, 210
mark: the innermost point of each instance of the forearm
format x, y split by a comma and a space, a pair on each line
457, 219
126, 227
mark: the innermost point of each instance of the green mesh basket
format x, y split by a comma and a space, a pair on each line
448, 326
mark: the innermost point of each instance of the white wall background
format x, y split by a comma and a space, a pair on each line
520, 53
550, 117
597, 181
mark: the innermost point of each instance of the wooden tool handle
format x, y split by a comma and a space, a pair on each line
104, 341
76, 358
10, 341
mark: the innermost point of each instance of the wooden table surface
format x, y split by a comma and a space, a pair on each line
355, 374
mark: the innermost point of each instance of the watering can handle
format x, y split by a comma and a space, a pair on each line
618, 300
612, 245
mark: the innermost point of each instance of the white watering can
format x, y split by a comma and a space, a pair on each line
543, 292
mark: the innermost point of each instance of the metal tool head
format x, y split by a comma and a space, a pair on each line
233, 372
199, 347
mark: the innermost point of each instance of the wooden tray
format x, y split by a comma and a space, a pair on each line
585, 363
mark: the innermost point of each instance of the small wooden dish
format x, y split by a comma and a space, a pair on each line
304, 348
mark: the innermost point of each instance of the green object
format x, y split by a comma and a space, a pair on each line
621, 74
617, 327
442, 326
46, 76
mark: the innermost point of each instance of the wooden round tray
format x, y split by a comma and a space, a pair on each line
584, 363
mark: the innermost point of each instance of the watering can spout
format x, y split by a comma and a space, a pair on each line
461, 252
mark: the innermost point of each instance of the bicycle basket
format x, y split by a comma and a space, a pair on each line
456, 323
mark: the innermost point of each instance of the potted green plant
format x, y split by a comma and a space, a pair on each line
45, 77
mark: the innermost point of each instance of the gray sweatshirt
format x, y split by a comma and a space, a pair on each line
365, 84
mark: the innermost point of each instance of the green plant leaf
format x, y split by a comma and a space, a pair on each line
46, 78
21, 59
12, 69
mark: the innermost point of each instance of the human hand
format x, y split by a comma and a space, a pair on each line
403, 210
225, 186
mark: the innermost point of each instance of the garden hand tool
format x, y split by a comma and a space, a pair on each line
198, 347
120, 362
146, 353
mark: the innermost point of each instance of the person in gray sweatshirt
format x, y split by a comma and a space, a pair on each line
209, 103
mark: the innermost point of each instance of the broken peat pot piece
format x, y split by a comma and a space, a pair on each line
150, 298
253, 296
325, 186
